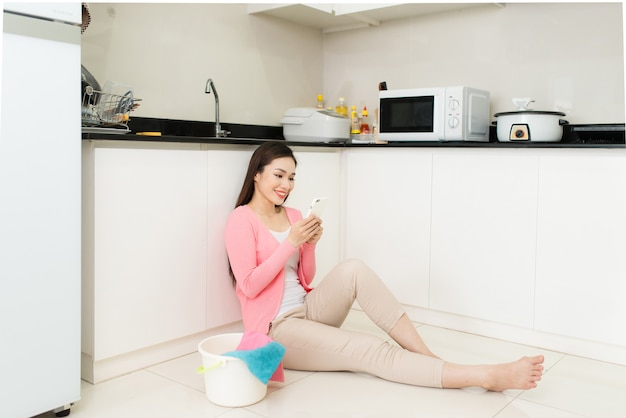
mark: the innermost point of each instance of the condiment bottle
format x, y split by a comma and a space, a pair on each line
320, 101
341, 108
375, 129
355, 125
365, 121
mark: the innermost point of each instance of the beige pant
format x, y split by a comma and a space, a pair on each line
314, 341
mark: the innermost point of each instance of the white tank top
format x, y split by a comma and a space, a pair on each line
294, 293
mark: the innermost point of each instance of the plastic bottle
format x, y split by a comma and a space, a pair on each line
375, 132
365, 122
320, 102
355, 125
341, 108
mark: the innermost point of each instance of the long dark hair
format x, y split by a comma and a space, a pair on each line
262, 156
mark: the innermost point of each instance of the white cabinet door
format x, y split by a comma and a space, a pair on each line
581, 254
150, 247
483, 238
226, 171
388, 217
319, 174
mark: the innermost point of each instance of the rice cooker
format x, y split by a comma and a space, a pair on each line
525, 124
309, 124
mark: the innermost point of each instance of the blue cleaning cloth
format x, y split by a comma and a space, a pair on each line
263, 361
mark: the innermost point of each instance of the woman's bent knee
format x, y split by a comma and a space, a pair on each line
352, 265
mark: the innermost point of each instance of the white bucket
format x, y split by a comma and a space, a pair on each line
227, 380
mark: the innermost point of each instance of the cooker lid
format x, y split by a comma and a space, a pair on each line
311, 112
522, 104
530, 112
300, 112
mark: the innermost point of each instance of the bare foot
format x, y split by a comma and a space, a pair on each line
521, 374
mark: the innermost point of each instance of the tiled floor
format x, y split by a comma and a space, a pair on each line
571, 387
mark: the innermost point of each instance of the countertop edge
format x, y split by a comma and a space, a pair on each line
417, 144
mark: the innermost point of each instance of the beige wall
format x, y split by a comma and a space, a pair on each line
567, 57
260, 65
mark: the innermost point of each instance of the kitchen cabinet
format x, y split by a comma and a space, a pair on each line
523, 245
484, 213
331, 17
387, 217
226, 171
520, 244
581, 245
150, 247
155, 270
452, 231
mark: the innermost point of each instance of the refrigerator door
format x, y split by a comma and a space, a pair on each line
40, 216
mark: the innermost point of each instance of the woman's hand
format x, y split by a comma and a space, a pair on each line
317, 233
307, 230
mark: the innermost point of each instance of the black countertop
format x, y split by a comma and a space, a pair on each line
574, 136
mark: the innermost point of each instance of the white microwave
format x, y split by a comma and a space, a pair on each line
456, 113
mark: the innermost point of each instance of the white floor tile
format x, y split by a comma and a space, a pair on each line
182, 370
524, 409
143, 394
461, 347
240, 413
345, 395
291, 377
587, 387
572, 387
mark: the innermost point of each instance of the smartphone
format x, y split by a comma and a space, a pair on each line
317, 206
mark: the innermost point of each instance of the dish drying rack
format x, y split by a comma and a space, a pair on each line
107, 108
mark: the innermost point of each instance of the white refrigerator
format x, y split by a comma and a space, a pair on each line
40, 209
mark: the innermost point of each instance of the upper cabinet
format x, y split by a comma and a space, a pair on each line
337, 17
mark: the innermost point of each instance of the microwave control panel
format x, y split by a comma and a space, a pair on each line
467, 114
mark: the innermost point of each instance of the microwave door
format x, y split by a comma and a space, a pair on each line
408, 118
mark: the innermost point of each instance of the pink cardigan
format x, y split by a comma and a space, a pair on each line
258, 263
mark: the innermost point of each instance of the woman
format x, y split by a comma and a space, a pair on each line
271, 250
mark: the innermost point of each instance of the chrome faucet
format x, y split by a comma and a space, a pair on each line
219, 132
